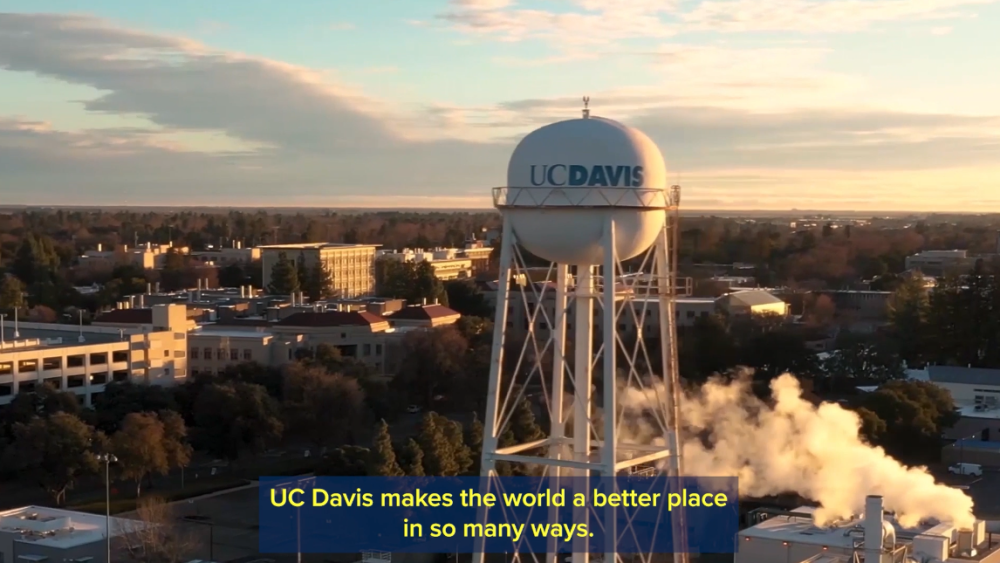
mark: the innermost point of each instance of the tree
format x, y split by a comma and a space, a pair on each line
433, 362
776, 352
139, 447
232, 275
122, 398
324, 408
175, 440
413, 459
439, 458
908, 308
460, 452
44, 402
153, 536
318, 282
822, 310
284, 277
873, 428
56, 451
412, 281
474, 439
915, 414
348, 461
172, 273
706, 348
465, 297
11, 293
863, 360
382, 458
301, 272
235, 417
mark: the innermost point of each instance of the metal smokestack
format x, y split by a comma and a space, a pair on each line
873, 528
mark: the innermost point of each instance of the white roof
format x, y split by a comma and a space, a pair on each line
800, 529
969, 411
60, 529
755, 297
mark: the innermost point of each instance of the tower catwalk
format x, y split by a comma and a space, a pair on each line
590, 197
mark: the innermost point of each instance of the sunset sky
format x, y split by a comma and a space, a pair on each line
756, 104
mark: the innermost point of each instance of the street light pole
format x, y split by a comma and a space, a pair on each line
108, 459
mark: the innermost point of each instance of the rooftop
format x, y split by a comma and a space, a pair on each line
54, 335
423, 313
307, 245
754, 298
964, 375
800, 529
331, 319
979, 411
60, 529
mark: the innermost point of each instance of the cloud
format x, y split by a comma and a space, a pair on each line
306, 139
340, 26
815, 16
182, 84
609, 22
944, 30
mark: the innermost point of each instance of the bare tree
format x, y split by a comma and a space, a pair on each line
154, 536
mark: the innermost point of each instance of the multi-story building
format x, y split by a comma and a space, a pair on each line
447, 262
226, 256
351, 266
366, 336
148, 257
938, 263
478, 252
81, 359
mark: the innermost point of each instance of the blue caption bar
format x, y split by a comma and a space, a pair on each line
497, 515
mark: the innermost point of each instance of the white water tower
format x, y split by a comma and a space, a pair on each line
586, 195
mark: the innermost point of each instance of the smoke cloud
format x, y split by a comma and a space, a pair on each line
795, 446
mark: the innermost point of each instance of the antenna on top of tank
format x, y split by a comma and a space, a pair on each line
586, 107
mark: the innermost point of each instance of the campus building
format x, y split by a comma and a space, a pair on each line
351, 266
35, 534
81, 359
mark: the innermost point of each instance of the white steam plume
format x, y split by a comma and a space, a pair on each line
795, 446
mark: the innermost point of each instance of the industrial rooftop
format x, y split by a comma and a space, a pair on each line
59, 528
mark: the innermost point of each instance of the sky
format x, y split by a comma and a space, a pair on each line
887, 105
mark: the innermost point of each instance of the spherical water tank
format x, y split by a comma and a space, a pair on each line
565, 179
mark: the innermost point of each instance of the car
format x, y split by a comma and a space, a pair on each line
413, 409
966, 469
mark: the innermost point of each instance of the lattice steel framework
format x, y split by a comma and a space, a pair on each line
563, 362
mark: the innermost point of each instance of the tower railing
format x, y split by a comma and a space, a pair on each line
582, 197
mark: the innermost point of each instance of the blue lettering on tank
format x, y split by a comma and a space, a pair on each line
551, 176
577, 175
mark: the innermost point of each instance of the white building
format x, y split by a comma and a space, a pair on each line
82, 359
148, 256
793, 537
448, 263
35, 534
